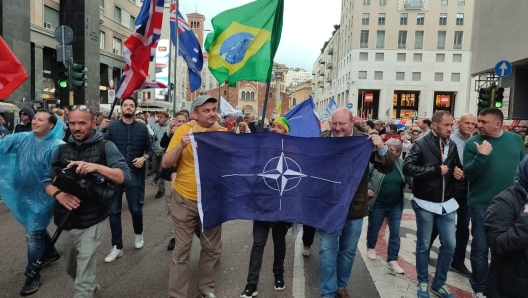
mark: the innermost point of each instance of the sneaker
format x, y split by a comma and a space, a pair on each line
249, 291
443, 292
460, 269
422, 290
31, 286
97, 291
139, 241
478, 295
114, 254
208, 295
159, 194
50, 260
371, 253
306, 251
171, 245
342, 293
396, 267
279, 282
153, 182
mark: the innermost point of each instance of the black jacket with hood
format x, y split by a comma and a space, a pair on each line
506, 228
21, 127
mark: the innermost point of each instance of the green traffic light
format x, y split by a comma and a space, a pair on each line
63, 84
498, 104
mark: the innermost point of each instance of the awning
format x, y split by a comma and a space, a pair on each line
8, 108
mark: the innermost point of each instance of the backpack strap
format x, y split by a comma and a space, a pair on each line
101, 145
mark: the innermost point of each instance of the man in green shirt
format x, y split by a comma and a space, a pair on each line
490, 161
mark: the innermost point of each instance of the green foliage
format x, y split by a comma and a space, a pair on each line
336, 27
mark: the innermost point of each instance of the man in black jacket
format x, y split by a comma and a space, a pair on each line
26, 115
433, 163
83, 232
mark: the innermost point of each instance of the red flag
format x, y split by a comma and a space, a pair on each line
12, 74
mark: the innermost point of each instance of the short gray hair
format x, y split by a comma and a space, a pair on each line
397, 144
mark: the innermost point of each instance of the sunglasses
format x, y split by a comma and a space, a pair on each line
80, 107
23, 114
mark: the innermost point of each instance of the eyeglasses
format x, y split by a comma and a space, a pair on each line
80, 107
23, 114
340, 124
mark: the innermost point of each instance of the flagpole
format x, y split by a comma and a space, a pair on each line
169, 80
176, 59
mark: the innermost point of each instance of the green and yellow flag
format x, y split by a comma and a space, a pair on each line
244, 41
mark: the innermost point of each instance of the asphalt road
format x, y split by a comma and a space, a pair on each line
145, 272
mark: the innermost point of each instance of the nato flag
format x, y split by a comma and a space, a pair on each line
272, 177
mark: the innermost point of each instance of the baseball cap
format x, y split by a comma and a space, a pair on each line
200, 100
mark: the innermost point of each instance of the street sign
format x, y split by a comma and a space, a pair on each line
111, 95
64, 36
350, 105
67, 55
503, 68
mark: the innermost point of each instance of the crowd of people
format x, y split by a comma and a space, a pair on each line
466, 173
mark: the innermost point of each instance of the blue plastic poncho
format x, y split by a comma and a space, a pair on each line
24, 162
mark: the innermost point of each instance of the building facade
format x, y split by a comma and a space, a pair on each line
296, 76
300, 92
325, 74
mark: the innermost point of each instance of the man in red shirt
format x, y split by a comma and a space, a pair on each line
230, 123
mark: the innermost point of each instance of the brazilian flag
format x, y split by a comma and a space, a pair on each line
244, 41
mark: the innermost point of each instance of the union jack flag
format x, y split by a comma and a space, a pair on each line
188, 46
140, 49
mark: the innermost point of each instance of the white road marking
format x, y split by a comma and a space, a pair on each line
298, 269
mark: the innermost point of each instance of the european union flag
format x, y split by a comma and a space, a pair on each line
272, 177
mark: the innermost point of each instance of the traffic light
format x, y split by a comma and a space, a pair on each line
63, 74
484, 99
499, 96
78, 76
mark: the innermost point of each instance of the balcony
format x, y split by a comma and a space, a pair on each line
440, 46
329, 65
413, 4
330, 50
329, 80
402, 46
363, 45
418, 46
457, 46
322, 62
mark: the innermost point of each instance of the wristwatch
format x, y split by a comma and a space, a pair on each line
55, 194
146, 157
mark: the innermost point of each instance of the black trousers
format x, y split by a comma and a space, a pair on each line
260, 237
308, 235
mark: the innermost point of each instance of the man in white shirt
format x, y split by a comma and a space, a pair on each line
434, 164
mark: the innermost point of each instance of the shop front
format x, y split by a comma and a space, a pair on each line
444, 101
368, 103
405, 104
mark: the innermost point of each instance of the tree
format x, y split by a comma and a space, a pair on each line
336, 27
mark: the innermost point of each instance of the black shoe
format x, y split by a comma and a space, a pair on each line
249, 291
31, 286
51, 260
172, 242
279, 282
159, 194
460, 269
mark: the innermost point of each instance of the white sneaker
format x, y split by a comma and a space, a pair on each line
139, 241
478, 295
306, 251
371, 253
114, 254
396, 267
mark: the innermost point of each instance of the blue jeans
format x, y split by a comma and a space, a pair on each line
479, 251
393, 213
135, 194
445, 224
336, 256
36, 245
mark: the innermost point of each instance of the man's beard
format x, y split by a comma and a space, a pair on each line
128, 116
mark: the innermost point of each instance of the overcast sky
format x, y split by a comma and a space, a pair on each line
306, 26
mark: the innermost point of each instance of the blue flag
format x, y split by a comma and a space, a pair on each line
303, 119
332, 106
272, 177
189, 47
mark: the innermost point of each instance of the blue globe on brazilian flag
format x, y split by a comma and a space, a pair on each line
244, 41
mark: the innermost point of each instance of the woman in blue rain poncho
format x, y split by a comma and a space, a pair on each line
24, 163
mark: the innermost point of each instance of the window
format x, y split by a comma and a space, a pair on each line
101, 4
440, 57
444, 2
381, 19
378, 75
51, 18
402, 40
443, 19
362, 75
420, 19
439, 76
380, 56
102, 39
365, 19
132, 23
403, 19
366, 2
461, 2
457, 45
457, 58
364, 39
417, 57
382, 2
380, 40
460, 19
400, 76
118, 46
252, 95
416, 76
401, 57
455, 77
418, 40
117, 14
413, 4
441, 40
363, 56
243, 95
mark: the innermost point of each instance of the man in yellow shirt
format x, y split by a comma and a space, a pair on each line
184, 207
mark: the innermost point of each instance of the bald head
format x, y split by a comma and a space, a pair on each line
342, 112
466, 126
341, 124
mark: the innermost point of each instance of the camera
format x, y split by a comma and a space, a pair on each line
86, 187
